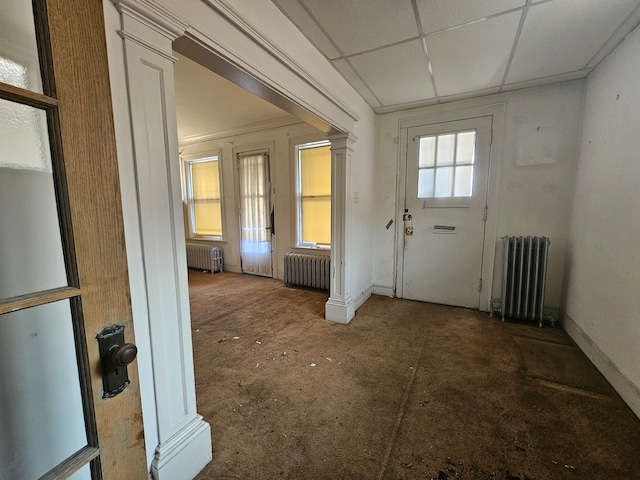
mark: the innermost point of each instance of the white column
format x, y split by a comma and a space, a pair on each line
340, 307
184, 438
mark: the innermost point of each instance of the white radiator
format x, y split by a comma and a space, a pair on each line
204, 257
523, 277
307, 270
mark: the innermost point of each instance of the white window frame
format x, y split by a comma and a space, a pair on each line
304, 144
187, 161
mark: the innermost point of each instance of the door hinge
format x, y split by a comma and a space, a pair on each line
491, 137
480, 286
486, 212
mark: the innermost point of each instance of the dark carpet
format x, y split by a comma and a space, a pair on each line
407, 390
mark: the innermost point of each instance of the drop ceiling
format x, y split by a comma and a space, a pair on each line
403, 53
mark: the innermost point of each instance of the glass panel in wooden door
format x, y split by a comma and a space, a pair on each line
19, 60
31, 252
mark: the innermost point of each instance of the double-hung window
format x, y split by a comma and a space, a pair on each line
203, 197
313, 189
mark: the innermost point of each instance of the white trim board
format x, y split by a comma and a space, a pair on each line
384, 290
253, 127
629, 392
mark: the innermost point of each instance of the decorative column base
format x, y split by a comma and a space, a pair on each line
185, 454
339, 311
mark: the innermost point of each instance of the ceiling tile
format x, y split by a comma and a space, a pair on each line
396, 74
352, 77
563, 35
481, 51
301, 18
440, 14
360, 25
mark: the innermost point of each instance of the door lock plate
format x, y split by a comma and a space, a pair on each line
408, 231
115, 355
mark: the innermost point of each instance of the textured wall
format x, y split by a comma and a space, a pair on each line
603, 261
535, 176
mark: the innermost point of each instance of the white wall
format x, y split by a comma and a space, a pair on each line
535, 176
602, 301
363, 204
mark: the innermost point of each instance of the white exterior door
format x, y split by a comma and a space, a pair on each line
445, 211
255, 214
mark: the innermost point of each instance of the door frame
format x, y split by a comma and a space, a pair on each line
497, 112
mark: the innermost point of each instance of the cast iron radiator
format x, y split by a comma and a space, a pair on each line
307, 270
523, 277
204, 257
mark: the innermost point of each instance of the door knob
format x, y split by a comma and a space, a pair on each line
121, 356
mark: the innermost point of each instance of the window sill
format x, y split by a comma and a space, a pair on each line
206, 239
305, 248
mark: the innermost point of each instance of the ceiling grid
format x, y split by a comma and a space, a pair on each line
402, 53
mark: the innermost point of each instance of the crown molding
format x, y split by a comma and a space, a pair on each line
154, 15
241, 130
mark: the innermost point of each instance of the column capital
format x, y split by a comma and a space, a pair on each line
154, 15
342, 140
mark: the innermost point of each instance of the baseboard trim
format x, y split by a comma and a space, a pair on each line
384, 290
629, 391
343, 311
185, 454
363, 297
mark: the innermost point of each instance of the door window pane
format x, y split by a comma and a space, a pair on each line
465, 148
31, 254
464, 181
445, 165
427, 156
446, 146
444, 179
425, 183
42, 421
19, 64
83, 474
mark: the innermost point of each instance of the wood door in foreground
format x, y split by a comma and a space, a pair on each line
63, 268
